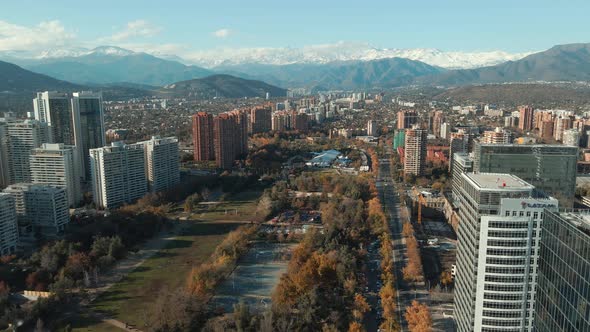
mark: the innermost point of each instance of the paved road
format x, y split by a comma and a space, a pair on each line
373, 274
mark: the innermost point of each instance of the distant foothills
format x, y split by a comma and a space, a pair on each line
122, 72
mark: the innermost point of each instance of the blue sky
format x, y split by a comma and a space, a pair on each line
179, 26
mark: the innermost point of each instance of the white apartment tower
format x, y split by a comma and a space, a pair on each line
42, 208
118, 174
415, 151
55, 109
500, 219
22, 138
89, 131
4, 162
8, 225
162, 161
57, 164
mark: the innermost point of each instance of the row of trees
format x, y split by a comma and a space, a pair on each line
413, 269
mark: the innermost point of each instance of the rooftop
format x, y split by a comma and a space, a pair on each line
498, 181
580, 219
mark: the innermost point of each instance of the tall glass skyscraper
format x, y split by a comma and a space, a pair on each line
563, 290
89, 130
550, 168
55, 109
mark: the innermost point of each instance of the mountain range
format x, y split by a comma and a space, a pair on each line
112, 66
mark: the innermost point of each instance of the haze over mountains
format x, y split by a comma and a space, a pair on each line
113, 65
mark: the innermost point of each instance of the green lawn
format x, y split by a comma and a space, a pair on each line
130, 300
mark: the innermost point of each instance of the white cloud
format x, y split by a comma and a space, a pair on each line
222, 33
138, 28
45, 35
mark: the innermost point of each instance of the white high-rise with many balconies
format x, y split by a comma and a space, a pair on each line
500, 219
8, 225
22, 138
118, 174
162, 163
40, 208
57, 164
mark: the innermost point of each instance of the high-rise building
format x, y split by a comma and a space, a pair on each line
462, 163
226, 134
500, 219
525, 121
437, 120
4, 162
8, 225
40, 208
299, 121
561, 124
162, 163
497, 136
203, 137
55, 109
563, 291
241, 135
57, 164
546, 129
415, 151
399, 138
550, 168
22, 138
458, 143
89, 130
281, 121
445, 130
261, 119
372, 129
571, 137
406, 119
118, 174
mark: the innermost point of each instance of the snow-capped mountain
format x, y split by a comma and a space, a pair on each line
344, 51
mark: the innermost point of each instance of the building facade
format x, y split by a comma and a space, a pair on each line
525, 121
372, 129
498, 250
261, 119
550, 168
57, 164
162, 163
415, 151
40, 208
203, 137
89, 130
8, 225
563, 292
118, 174
55, 109
23, 137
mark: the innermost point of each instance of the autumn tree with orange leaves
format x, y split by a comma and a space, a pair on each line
418, 317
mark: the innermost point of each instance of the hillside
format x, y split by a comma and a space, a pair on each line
560, 63
547, 95
17, 80
223, 86
106, 66
339, 75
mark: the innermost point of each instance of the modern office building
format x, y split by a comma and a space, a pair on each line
415, 151
162, 163
40, 208
406, 119
8, 225
372, 129
118, 174
445, 130
57, 164
458, 143
500, 219
563, 291
23, 137
261, 119
525, 121
462, 163
89, 131
55, 109
203, 139
550, 168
